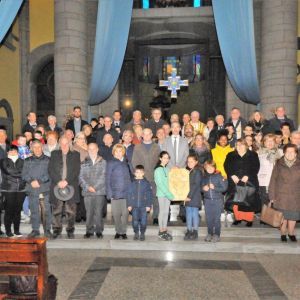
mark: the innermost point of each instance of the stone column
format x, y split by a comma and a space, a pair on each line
70, 57
278, 56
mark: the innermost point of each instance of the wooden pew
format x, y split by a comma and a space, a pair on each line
25, 257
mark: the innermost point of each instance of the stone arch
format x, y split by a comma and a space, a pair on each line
9, 120
37, 60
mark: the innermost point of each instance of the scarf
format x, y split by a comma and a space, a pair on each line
271, 155
289, 163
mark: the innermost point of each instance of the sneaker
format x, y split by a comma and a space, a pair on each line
88, 235
222, 217
208, 238
70, 234
18, 234
124, 236
229, 218
168, 236
292, 238
161, 234
9, 234
1, 232
215, 239
194, 235
48, 234
117, 236
187, 235
136, 237
33, 234
99, 235
142, 237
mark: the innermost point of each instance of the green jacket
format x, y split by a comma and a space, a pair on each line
161, 178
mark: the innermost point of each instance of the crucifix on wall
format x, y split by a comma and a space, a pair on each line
174, 83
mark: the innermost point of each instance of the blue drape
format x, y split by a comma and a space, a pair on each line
8, 12
113, 22
235, 29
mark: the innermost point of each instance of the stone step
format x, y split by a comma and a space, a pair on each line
233, 240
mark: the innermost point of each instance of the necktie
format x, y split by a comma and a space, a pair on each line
175, 149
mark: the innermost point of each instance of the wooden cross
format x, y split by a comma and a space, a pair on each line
174, 83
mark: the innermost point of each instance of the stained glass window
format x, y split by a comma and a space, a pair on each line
146, 68
170, 62
197, 66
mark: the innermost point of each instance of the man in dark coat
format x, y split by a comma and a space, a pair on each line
117, 121
31, 122
76, 123
64, 169
155, 122
238, 122
107, 128
147, 155
52, 125
35, 174
279, 118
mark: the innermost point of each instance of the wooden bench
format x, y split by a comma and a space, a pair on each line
25, 257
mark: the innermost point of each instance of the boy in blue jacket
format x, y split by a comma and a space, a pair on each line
213, 187
139, 202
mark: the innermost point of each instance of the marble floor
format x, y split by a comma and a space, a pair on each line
248, 263
115, 274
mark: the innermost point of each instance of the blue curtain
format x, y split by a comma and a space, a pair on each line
235, 29
113, 22
8, 12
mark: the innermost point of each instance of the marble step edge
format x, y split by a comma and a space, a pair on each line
239, 232
179, 246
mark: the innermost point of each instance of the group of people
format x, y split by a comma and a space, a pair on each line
72, 172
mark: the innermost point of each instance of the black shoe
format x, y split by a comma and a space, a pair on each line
236, 222
249, 224
124, 236
155, 221
18, 234
78, 220
292, 238
142, 237
194, 235
33, 234
56, 234
136, 237
99, 235
87, 235
48, 234
187, 235
183, 219
70, 235
1, 232
283, 238
9, 234
117, 236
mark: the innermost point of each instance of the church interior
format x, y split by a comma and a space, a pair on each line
46, 66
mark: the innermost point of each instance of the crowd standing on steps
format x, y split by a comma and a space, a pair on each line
51, 173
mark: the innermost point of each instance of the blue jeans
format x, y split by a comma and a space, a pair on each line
213, 210
192, 217
26, 206
139, 219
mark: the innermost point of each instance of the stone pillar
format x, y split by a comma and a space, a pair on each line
278, 56
70, 57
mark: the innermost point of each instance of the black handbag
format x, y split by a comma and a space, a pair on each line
243, 196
